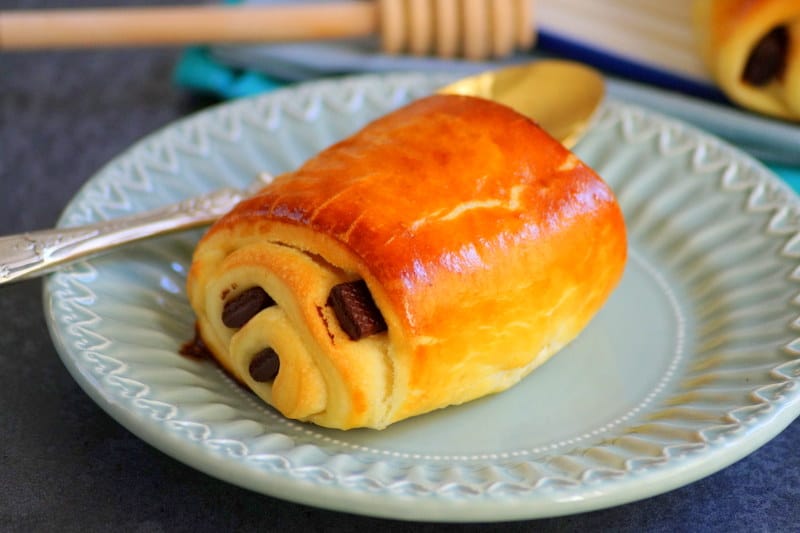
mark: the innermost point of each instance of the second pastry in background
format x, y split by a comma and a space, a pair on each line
752, 48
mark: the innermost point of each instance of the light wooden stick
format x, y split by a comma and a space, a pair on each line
474, 29
94, 28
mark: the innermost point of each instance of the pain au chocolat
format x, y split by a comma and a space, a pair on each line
752, 49
438, 255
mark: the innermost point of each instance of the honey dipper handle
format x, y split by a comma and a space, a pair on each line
97, 28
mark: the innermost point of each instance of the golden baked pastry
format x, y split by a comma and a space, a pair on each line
752, 48
436, 256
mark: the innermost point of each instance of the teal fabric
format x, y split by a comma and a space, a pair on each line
198, 72
790, 175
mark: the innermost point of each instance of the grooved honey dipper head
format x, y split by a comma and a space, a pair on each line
473, 29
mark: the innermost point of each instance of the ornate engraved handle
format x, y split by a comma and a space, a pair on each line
31, 254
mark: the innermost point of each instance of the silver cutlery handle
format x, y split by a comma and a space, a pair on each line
30, 254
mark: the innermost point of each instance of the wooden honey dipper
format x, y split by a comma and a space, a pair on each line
473, 29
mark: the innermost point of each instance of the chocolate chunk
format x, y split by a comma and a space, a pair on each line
356, 310
265, 365
244, 306
767, 60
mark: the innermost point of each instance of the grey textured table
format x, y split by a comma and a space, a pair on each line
66, 465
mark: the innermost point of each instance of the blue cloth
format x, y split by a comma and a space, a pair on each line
790, 175
197, 71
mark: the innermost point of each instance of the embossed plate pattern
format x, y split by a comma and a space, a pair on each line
693, 363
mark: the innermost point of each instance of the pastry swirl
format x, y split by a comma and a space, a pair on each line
752, 49
483, 245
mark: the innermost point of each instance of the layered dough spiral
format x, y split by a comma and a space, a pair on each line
752, 49
484, 243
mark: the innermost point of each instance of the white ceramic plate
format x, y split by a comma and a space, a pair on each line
692, 364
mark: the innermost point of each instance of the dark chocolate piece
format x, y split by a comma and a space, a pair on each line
767, 60
265, 365
355, 309
244, 306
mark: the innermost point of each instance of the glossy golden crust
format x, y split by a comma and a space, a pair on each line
729, 30
486, 245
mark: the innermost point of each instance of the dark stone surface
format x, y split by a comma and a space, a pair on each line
67, 466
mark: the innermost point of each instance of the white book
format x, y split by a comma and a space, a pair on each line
650, 39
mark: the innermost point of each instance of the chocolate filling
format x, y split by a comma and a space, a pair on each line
767, 60
195, 348
355, 309
244, 306
265, 365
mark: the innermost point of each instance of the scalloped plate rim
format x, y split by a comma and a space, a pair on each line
435, 507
